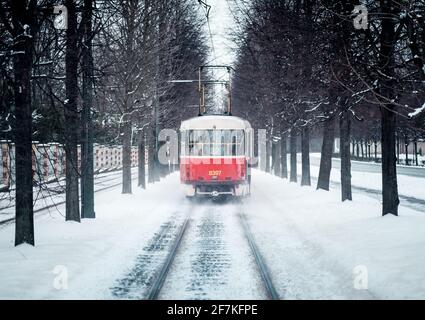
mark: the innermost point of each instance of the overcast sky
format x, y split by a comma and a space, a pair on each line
222, 23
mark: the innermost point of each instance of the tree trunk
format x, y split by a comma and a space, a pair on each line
141, 160
326, 155
344, 127
22, 64
151, 155
389, 171
293, 146
268, 154
87, 160
406, 150
398, 149
273, 154
158, 66
164, 168
284, 156
415, 150
277, 161
368, 151
260, 150
72, 116
388, 39
376, 150
305, 146
126, 158
157, 166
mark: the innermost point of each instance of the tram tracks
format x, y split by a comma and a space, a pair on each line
154, 291
156, 287
261, 264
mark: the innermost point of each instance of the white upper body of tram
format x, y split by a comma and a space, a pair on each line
215, 157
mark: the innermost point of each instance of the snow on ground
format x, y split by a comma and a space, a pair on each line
311, 243
315, 245
215, 260
95, 253
421, 159
407, 185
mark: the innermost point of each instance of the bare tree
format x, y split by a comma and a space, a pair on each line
87, 170
388, 39
72, 115
22, 24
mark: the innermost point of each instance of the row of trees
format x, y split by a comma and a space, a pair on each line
316, 66
93, 71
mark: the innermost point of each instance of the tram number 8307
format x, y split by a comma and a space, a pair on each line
216, 155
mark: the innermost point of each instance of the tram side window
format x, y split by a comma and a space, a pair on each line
234, 143
199, 143
184, 143
196, 143
207, 143
191, 143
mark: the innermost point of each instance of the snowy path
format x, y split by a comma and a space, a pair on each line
316, 245
95, 254
369, 182
302, 269
371, 167
311, 243
406, 201
214, 261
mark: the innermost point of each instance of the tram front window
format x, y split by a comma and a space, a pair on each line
213, 143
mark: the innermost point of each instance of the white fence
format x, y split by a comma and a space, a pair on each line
48, 161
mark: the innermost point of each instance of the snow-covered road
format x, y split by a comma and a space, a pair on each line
313, 245
214, 260
367, 179
318, 247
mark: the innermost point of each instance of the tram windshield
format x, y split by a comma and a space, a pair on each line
213, 143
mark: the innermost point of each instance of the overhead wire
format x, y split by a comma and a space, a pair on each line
207, 8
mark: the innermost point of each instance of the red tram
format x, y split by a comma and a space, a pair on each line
215, 157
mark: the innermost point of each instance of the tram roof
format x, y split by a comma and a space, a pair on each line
214, 122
